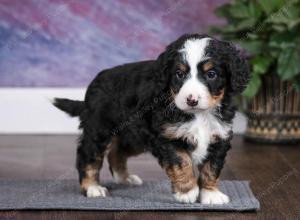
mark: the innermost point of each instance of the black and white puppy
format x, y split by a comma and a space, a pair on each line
177, 107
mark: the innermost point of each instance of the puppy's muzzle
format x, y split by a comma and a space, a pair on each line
192, 101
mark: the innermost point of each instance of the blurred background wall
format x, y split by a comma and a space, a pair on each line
54, 48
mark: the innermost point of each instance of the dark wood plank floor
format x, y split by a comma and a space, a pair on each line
272, 170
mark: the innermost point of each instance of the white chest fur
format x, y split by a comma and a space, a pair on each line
201, 132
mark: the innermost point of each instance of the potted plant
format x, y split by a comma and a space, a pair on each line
269, 31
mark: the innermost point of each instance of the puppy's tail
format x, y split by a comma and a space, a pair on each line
72, 107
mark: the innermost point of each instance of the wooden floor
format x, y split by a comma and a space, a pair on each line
272, 170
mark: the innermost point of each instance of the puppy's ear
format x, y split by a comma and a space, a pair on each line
236, 66
166, 59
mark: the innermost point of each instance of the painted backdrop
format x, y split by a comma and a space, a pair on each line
65, 43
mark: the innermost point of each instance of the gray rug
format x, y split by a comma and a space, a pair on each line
65, 194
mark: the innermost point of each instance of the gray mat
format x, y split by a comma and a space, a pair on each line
65, 194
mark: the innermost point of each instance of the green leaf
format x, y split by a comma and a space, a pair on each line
230, 28
279, 27
289, 63
284, 39
271, 6
274, 53
287, 15
253, 36
253, 86
253, 47
240, 15
255, 10
248, 23
294, 23
261, 64
223, 11
239, 10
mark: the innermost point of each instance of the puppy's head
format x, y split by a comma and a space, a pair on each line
201, 71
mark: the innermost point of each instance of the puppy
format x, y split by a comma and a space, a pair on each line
177, 107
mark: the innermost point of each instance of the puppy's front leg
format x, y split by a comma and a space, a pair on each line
184, 183
209, 175
208, 182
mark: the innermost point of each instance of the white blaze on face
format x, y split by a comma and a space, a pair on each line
193, 52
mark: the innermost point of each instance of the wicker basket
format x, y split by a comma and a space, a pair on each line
274, 113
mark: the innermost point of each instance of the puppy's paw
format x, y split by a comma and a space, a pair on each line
134, 180
130, 179
213, 197
189, 197
96, 191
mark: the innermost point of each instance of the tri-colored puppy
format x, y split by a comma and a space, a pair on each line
177, 107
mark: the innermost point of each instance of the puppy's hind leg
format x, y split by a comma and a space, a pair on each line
117, 160
90, 155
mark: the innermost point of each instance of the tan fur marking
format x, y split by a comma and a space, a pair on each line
207, 66
91, 177
117, 159
182, 176
207, 179
215, 100
173, 94
168, 131
117, 162
91, 174
182, 67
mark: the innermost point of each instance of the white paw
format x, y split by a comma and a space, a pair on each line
96, 191
134, 180
130, 179
213, 197
189, 197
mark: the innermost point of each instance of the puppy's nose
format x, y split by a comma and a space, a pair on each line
191, 101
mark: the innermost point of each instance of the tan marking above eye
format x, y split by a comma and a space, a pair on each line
182, 67
207, 66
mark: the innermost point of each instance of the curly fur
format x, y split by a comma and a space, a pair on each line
134, 101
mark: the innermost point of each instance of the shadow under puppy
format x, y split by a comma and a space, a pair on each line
177, 107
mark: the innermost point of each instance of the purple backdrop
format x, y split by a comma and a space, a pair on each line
67, 42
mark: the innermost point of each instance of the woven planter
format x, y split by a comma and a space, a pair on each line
274, 113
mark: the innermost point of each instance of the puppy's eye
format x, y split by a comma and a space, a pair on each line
180, 74
211, 75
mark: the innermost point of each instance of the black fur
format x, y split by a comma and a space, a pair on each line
72, 107
236, 66
133, 101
